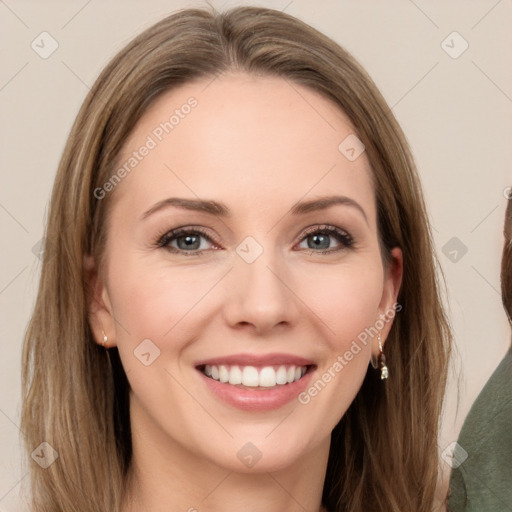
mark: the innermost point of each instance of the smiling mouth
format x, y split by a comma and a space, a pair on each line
263, 377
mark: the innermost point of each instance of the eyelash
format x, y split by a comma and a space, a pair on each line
344, 238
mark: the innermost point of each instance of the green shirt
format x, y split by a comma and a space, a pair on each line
483, 481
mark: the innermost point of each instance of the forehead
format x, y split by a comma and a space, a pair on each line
248, 139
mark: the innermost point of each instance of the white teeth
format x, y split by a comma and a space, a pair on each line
223, 373
250, 376
235, 375
267, 377
281, 377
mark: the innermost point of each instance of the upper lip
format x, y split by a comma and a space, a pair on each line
257, 360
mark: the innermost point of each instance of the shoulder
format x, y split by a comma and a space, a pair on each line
481, 481
490, 416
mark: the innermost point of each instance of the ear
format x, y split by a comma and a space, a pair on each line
388, 307
99, 308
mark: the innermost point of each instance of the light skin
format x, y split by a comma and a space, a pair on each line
258, 147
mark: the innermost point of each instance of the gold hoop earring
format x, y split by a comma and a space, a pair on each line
384, 372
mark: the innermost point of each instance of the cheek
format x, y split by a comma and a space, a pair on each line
158, 309
151, 300
346, 299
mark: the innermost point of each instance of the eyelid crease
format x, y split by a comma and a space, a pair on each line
344, 238
326, 228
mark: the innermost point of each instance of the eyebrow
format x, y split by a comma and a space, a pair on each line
220, 209
324, 202
198, 205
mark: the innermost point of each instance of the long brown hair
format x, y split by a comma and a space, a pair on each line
384, 453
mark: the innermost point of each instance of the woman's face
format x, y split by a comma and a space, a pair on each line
272, 282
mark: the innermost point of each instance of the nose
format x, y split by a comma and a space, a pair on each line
260, 295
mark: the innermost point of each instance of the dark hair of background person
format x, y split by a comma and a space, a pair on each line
506, 263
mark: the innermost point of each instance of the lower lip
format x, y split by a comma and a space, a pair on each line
258, 399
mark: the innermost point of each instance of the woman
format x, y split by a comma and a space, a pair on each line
236, 230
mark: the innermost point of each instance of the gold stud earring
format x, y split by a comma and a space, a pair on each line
106, 347
105, 339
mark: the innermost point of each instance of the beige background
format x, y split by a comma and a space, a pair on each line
456, 113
